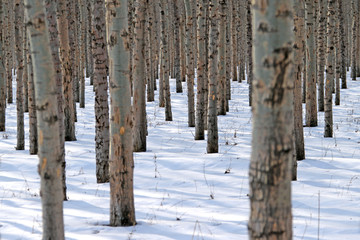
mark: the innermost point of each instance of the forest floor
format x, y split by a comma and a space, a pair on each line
180, 191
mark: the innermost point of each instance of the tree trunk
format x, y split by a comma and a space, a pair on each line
353, 40
9, 46
50, 7
48, 122
330, 65
69, 112
343, 36
122, 209
139, 102
272, 141
33, 140
201, 66
165, 57
213, 138
181, 9
321, 52
337, 54
299, 18
101, 92
234, 39
221, 85
311, 105
177, 36
189, 63
228, 56
2, 72
149, 54
19, 20
250, 44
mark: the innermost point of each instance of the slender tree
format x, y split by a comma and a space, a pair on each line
190, 61
221, 86
311, 105
19, 18
213, 138
69, 111
139, 102
33, 141
330, 66
353, 40
299, 14
2, 72
342, 35
249, 43
99, 51
165, 57
48, 121
177, 50
272, 142
122, 209
321, 42
201, 66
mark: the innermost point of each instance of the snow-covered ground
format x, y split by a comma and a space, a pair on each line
180, 191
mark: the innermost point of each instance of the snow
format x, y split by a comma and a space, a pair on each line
180, 191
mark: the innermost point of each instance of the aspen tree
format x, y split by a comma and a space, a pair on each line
69, 111
311, 105
299, 14
48, 121
2, 72
330, 66
50, 7
19, 19
122, 209
201, 66
221, 86
190, 61
321, 42
99, 51
272, 141
212, 125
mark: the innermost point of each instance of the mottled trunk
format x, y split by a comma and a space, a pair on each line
250, 47
9, 48
234, 49
190, 63
54, 46
81, 57
69, 112
48, 122
228, 57
201, 66
2, 72
181, 8
343, 48
19, 20
89, 39
321, 41
353, 40
122, 209
337, 62
213, 70
221, 79
25, 71
101, 92
311, 104
139, 76
330, 65
177, 50
33, 140
299, 18
272, 141
150, 55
